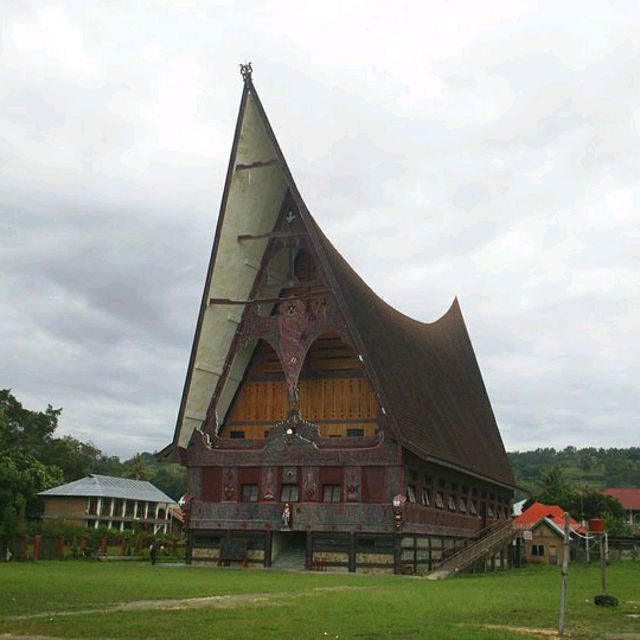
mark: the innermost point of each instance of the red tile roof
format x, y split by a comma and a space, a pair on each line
537, 511
628, 498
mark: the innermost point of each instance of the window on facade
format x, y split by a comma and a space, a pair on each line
411, 493
451, 503
236, 435
491, 511
355, 433
93, 506
439, 500
462, 505
426, 498
331, 493
473, 508
249, 493
290, 493
537, 549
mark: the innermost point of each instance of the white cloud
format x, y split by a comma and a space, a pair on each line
487, 150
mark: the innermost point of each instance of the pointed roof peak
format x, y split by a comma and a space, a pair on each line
246, 71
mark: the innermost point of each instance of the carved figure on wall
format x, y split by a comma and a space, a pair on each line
310, 484
286, 516
352, 483
269, 485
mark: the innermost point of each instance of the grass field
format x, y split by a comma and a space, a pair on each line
133, 600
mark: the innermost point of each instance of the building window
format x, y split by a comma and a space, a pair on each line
537, 550
491, 511
290, 493
439, 500
355, 433
426, 498
249, 493
473, 507
462, 505
236, 435
331, 493
452, 503
411, 493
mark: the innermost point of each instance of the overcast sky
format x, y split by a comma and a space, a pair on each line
487, 150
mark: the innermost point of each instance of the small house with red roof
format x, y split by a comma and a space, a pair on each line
542, 528
630, 501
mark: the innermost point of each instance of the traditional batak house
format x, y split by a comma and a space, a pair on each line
319, 425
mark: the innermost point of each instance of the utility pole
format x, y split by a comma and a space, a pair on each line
565, 570
603, 565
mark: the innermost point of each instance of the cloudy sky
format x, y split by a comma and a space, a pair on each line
487, 150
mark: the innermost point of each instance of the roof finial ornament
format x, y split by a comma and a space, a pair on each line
245, 71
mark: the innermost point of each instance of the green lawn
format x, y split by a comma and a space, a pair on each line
295, 605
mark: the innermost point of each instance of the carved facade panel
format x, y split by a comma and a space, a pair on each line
311, 484
269, 483
230, 483
289, 475
352, 484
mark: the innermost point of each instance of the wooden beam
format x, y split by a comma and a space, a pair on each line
271, 234
256, 165
301, 296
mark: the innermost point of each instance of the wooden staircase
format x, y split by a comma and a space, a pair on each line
465, 553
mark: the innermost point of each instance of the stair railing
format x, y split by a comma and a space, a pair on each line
497, 536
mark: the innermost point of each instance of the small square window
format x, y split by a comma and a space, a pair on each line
355, 433
411, 493
249, 493
426, 498
331, 493
290, 493
439, 500
451, 503
236, 435
537, 550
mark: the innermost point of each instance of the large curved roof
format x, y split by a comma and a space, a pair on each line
425, 375
428, 376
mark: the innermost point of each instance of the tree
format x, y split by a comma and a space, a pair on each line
553, 488
25, 437
590, 503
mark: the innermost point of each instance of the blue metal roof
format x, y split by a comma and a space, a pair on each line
108, 487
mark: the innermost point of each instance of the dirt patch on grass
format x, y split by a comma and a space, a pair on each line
532, 632
216, 602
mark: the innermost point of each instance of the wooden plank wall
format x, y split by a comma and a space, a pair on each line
334, 392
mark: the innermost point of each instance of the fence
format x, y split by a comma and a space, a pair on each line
50, 547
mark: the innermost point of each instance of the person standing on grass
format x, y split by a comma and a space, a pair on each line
153, 552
